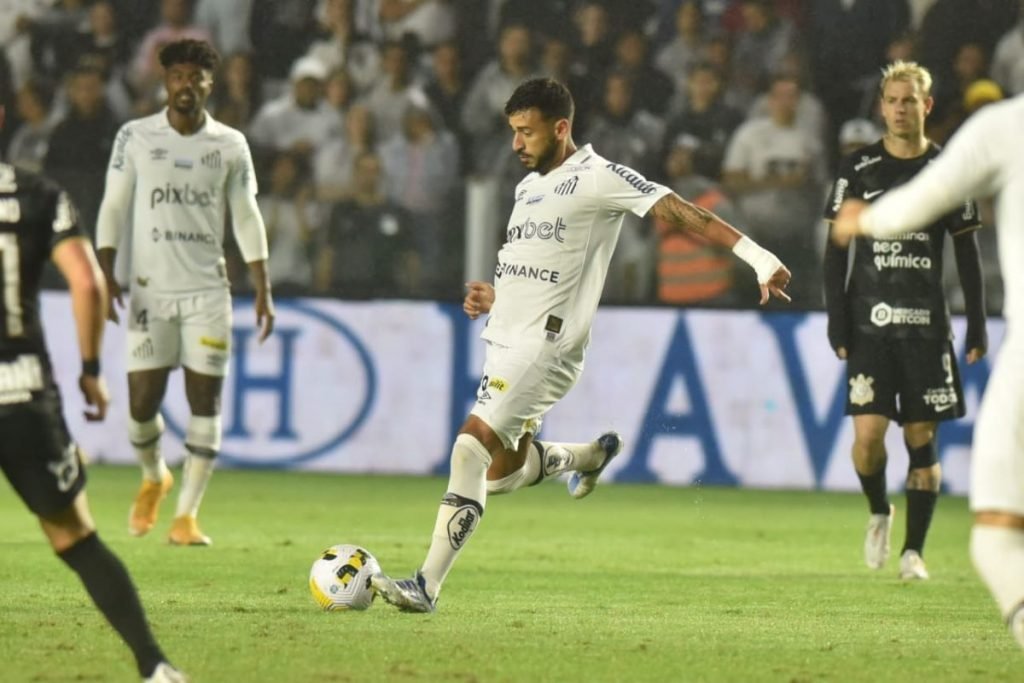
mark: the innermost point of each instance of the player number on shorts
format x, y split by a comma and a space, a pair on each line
10, 258
142, 320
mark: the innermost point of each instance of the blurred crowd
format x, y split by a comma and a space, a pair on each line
372, 120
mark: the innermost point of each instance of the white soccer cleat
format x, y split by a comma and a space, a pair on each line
876, 541
165, 673
581, 484
912, 566
408, 595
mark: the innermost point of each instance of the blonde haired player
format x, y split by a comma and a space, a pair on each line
171, 179
984, 158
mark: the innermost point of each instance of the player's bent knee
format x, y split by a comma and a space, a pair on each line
203, 435
924, 456
145, 433
468, 451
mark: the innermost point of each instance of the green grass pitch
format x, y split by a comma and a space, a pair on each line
635, 583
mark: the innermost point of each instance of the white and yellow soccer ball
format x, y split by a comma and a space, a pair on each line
340, 578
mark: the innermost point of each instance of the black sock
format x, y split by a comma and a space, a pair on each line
873, 486
920, 506
111, 589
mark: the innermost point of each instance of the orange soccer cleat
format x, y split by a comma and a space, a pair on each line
147, 504
185, 531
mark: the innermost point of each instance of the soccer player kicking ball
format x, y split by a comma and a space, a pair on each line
889, 320
548, 281
171, 178
37, 455
984, 158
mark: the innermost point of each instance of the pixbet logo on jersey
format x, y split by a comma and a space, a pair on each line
187, 196
543, 230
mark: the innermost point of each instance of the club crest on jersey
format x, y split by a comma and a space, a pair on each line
211, 160
861, 391
567, 187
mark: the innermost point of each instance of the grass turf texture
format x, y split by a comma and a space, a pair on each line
636, 583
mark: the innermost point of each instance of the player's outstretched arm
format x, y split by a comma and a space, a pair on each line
479, 299
77, 263
772, 275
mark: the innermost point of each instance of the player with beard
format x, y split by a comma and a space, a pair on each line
889, 321
560, 237
37, 455
171, 179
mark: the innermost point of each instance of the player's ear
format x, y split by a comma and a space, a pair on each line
562, 129
929, 102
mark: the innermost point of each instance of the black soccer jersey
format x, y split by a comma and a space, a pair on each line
895, 285
35, 215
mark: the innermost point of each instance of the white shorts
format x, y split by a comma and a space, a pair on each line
518, 387
191, 330
997, 458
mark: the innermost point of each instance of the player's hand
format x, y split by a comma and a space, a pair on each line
114, 295
975, 354
847, 223
479, 299
264, 313
841, 353
94, 390
776, 285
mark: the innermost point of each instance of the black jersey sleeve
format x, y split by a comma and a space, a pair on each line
964, 219
968, 265
837, 259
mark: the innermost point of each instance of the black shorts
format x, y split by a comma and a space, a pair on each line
906, 380
38, 456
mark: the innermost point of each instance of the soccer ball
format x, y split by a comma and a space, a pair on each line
340, 578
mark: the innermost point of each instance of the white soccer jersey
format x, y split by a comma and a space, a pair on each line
178, 188
559, 242
985, 157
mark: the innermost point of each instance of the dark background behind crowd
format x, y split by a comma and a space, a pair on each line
376, 124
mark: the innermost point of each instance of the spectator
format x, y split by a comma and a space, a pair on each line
420, 174
557, 62
334, 161
236, 93
430, 21
483, 115
300, 121
54, 37
761, 45
810, 112
446, 92
705, 117
652, 89
227, 22
344, 47
281, 32
395, 91
80, 143
687, 46
950, 24
775, 170
691, 270
623, 131
31, 139
175, 24
1008, 62
339, 92
290, 216
847, 42
948, 112
367, 249
593, 49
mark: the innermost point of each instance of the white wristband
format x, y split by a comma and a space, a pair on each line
764, 262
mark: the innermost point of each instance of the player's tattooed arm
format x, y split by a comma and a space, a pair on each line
678, 212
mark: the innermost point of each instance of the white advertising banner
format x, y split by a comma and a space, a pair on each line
722, 398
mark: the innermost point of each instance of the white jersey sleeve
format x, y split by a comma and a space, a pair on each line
116, 207
241, 190
623, 189
968, 167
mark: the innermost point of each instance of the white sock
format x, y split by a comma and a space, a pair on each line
998, 554
195, 475
145, 440
548, 459
460, 511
